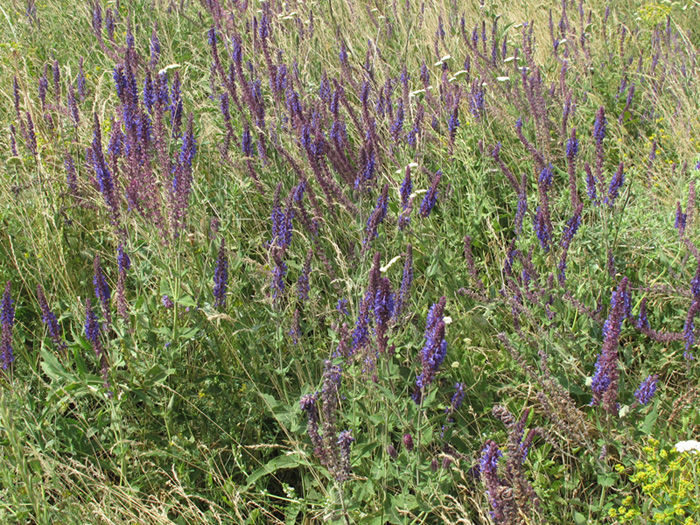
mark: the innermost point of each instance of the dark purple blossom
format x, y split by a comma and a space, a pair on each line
618, 179
102, 173
646, 390
360, 334
591, 184
71, 177
572, 147
476, 100
434, 349
282, 225
383, 309
546, 177
488, 467
605, 379
123, 260
303, 281
344, 471
43, 86
102, 291
279, 272
377, 217
681, 219
7, 321
342, 306
572, 226
81, 82
49, 319
92, 328
154, 49
397, 125
453, 123
109, 24
689, 329
542, 230
642, 319
221, 276
599, 127
15, 94
31, 135
176, 104
431, 196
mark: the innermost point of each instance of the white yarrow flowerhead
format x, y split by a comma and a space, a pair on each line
688, 446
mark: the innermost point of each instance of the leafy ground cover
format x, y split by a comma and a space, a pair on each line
357, 262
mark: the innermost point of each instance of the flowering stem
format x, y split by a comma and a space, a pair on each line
175, 287
346, 518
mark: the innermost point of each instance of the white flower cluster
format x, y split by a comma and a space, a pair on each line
688, 446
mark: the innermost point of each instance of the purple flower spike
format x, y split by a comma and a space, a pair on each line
599, 127
618, 179
605, 379
92, 328
377, 217
345, 439
102, 291
489, 475
7, 321
49, 319
221, 277
431, 196
434, 349
590, 184
681, 219
689, 329
303, 281
646, 390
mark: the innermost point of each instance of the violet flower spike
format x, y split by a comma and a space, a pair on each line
406, 281
599, 127
618, 179
606, 376
102, 291
377, 217
221, 276
434, 350
431, 196
92, 329
49, 319
646, 390
7, 321
681, 219
489, 475
303, 281
345, 440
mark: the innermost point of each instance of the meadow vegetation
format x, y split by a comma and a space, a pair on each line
350, 261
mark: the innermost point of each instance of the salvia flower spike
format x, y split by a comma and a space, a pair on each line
7, 321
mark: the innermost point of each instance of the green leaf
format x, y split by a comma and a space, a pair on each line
291, 460
579, 518
606, 480
52, 367
649, 422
